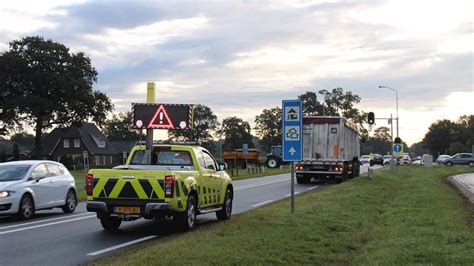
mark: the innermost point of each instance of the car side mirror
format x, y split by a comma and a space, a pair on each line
222, 166
37, 176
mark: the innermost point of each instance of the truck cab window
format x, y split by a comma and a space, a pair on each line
209, 161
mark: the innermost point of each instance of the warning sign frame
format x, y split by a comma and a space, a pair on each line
162, 116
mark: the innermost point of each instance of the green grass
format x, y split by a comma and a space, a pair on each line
80, 184
409, 217
79, 175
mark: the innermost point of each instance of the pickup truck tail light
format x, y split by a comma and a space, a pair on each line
169, 186
89, 180
299, 167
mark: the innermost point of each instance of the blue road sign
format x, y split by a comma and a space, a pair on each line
397, 149
245, 148
292, 129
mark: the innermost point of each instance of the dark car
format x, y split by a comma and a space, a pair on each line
460, 158
377, 159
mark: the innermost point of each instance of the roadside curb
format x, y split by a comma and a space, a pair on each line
462, 186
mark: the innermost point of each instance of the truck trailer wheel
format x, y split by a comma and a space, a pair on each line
303, 180
273, 162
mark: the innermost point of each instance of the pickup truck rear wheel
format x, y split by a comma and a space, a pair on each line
226, 211
187, 219
109, 223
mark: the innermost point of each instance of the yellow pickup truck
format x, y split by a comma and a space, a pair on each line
181, 182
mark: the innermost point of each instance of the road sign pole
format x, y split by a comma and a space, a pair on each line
292, 187
292, 139
150, 98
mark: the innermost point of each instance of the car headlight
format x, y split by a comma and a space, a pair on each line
7, 193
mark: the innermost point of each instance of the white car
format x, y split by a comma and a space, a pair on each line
27, 186
441, 158
386, 159
364, 159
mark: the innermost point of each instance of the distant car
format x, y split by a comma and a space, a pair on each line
406, 159
460, 158
441, 158
376, 159
364, 159
28, 186
386, 159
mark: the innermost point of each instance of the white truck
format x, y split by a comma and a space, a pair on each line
331, 150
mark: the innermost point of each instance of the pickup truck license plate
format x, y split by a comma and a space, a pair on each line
127, 210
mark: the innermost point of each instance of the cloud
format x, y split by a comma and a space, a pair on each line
241, 57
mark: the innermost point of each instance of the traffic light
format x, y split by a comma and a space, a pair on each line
371, 118
398, 140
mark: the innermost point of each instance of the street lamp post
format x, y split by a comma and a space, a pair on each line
396, 98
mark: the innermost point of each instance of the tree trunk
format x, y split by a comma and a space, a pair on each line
38, 129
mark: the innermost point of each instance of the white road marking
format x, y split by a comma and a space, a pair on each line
121, 245
259, 184
312, 187
44, 225
44, 220
262, 203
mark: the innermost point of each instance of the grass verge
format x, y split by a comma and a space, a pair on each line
248, 173
409, 217
79, 176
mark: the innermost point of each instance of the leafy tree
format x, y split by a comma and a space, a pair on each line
339, 103
383, 133
236, 132
336, 103
205, 122
42, 84
466, 122
311, 105
440, 135
16, 152
24, 140
119, 127
268, 127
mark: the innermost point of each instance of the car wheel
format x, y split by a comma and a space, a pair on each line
27, 207
187, 219
226, 211
71, 202
273, 162
471, 164
109, 223
449, 164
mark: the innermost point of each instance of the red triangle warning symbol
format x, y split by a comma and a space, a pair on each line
161, 119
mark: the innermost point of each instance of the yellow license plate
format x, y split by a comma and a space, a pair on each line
127, 210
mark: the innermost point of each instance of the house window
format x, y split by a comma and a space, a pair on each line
77, 143
111, 159
66, 143
97, 160
102, 143
103, 159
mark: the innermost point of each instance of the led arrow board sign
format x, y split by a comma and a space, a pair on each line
162, 116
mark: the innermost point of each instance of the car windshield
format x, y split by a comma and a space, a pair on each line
13, 172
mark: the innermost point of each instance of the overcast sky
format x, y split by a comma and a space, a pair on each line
240, 57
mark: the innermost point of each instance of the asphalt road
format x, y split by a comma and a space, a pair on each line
54, 238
